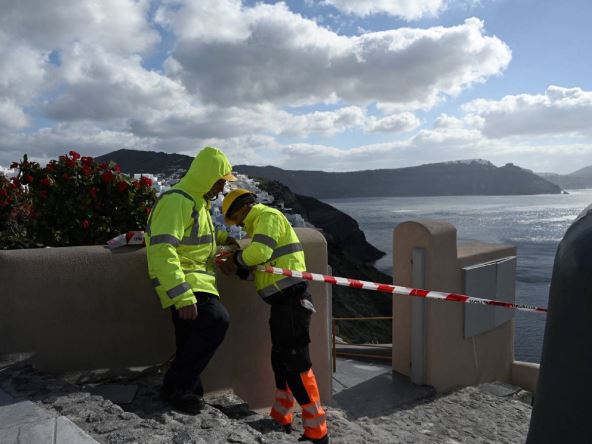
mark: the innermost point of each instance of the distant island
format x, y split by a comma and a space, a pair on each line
456, 178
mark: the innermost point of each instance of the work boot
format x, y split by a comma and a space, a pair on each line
187, 402
166, 394
323, 440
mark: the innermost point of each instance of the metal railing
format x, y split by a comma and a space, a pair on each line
362, 355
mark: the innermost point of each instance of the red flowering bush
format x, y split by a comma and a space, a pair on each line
76, 201
15, 209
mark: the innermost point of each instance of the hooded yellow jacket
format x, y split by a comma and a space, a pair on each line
273, 242
180, 236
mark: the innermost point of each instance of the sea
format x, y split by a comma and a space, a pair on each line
534, 224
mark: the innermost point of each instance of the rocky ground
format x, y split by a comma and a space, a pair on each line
483, 414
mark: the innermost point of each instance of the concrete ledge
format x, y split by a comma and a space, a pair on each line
89, 307
525, 375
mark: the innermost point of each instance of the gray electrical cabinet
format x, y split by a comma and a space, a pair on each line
490, 280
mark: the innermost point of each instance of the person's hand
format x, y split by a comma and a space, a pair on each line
188, 313
228, 266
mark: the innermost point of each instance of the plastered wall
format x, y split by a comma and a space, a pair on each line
90, 307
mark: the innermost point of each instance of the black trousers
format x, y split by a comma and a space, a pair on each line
289, 324
196, 341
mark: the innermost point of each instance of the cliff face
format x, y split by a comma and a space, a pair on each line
476, 177
340, 230
350, 255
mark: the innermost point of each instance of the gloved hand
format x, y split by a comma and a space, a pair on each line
232, 242
227, 264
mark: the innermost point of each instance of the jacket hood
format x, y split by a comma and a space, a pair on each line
209, 165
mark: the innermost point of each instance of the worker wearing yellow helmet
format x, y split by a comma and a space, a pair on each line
274, 242
181, 246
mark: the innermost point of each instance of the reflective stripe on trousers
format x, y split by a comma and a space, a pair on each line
281, 411
313, 415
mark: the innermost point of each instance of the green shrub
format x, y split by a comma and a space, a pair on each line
76, 201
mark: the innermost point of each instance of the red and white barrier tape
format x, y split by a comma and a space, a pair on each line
386, 288
137, 238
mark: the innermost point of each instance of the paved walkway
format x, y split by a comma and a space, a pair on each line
25, 422
370, 388
371, 405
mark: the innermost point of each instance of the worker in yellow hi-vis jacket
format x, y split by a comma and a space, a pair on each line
273, 241
181, 247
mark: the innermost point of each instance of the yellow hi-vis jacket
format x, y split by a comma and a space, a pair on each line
180, 236
273, 242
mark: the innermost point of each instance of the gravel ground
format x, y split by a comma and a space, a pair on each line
469, 415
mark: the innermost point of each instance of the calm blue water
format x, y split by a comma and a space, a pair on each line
534, 224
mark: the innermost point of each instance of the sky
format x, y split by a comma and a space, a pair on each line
334, 85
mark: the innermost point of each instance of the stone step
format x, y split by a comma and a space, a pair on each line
25, 422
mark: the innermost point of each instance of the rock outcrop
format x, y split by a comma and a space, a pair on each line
350, 255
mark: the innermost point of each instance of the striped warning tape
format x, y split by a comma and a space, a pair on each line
386, 288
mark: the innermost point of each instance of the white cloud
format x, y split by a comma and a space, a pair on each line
99, 86
23, 72
393, 123
235, 76
287, 59
320, 122
205, 20
438, 145
11, 116
558, 111
90, 139
406, 9
84, 137
116, 25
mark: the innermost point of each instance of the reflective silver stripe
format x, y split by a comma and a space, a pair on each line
164, 239
179, 289
209, 273
312, 409
265, 240
155, 282
314, 423
286, 249
280, 394
278, 286
205, 239
177, 191
281, 409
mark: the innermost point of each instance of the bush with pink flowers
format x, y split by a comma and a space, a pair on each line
71, 201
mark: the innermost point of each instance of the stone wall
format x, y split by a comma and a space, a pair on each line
89, 307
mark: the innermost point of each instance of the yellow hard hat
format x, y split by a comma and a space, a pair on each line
233, 202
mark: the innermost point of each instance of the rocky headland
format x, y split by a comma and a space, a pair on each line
350, 255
